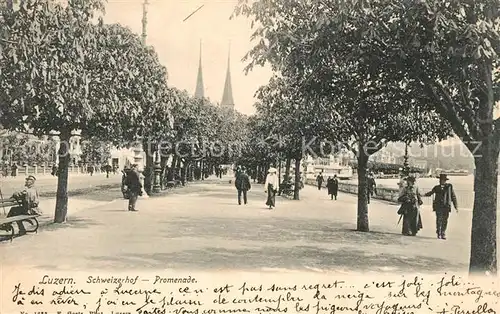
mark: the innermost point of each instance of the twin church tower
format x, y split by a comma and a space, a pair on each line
227, 97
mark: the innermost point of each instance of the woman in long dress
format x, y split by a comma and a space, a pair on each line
411, 200
271, 187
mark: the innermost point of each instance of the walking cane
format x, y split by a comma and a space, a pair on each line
1, 197
400, 217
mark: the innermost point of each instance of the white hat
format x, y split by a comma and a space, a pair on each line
272, 170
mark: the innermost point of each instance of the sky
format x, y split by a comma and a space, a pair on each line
178, 44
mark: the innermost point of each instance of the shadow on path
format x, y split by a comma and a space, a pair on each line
296, 258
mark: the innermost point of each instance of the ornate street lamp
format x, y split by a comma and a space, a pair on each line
157, 172
406, 166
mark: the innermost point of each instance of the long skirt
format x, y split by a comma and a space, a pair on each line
412, 221
271, 196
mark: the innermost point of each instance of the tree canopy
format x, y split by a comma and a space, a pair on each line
78, 75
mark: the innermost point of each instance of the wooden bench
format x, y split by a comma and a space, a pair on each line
173, 184
287, 189
7, 204
7, 224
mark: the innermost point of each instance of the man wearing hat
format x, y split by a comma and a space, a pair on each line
28, 202
125, 171
242, 184
134, 187
319, 180
443, 199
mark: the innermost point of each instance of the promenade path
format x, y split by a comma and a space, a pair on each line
201, 227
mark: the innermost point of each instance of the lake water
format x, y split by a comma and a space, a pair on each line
463, 186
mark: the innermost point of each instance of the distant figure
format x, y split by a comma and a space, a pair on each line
14, 170
108, 170
443, 199
332, 184
28, 202
320, 180
372, 185
125, 171
134, 187
271, 187
54, 170
411, 201
242, 184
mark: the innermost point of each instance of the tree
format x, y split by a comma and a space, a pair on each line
76, 75
258, 153
451, 49
293, 120
322, 52
95, 151
27, 149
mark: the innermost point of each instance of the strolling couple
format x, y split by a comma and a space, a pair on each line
242, 184
411, 200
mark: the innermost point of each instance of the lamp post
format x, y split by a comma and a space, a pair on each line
157, 171
406, 166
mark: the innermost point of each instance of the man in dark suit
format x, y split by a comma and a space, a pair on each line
443, 199
320, 180
134, 187
242, 184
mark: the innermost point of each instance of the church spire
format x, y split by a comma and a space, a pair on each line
200, 89
227, 96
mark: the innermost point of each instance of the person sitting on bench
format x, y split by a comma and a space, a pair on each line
28, 202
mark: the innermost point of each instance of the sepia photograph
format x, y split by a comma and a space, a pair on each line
252, 156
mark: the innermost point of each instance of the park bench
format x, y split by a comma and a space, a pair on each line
173, 184
286, 189
7, 224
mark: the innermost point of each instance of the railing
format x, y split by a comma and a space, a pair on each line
46, 170
465, 198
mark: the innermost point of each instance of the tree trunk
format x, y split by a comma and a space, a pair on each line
483, 253
297, 179
202, 169
163, 165
362, 223
184, 173
178, 165
62, 179
149, 173
174, 161
279, 171
288, 164
190, 173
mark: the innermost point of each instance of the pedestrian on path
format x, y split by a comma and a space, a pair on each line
14, 170
271, 187
443, 199
134, 187
242, 184
320, 180
28, 202
54, 170
410, 200
332, 184
372, 186
125, 171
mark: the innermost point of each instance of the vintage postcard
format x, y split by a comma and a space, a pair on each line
249, 156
